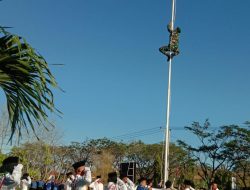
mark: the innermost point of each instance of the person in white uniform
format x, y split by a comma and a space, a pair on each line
82, 176
129, 184
115, 183
169, 185
97, 184
69, 182
214, 186
188, 185
11, 172
25, 182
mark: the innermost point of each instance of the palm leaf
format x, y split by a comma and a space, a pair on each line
26, 81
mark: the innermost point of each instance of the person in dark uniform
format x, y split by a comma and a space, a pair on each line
40, 185
33, 185
142, 184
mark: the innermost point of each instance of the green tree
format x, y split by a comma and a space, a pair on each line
144, 156
150, 163
41, 157
26, 81
208, 154
181, 165
242, 171
220, 154
36, 158
4, 129
2, 157
237, 149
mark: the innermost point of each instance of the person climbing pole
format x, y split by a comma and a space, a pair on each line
173, 47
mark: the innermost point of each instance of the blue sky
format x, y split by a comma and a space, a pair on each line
114, 76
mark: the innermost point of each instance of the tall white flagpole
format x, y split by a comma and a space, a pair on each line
167, 136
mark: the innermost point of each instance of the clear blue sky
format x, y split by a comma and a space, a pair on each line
114, 76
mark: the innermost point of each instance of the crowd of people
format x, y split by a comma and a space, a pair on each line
80, 179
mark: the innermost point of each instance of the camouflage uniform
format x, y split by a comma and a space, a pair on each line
173, 47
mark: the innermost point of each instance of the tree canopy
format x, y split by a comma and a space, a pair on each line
220, 154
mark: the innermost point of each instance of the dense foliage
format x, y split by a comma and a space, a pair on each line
220, 154
216, 155
103, 155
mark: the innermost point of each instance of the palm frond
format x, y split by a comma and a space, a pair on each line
26, 81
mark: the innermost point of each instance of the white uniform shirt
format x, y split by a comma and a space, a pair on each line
96, 185
25, 183
130, 185
68, 184
12, 180
82, 182
189, 188
112, 186
120, 185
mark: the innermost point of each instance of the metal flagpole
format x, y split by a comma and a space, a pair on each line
166, 165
